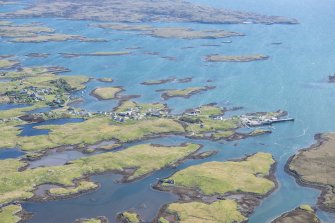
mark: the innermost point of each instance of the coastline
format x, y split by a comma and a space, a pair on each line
322, 187
249, 200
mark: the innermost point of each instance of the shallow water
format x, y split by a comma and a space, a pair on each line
293, 79
30, 130
55, 158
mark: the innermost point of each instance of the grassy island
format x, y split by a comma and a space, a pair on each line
106, 79
185, 93
302, 214
119, 53
134, 162
251, 178
146, 11
100, 219
142, 108
8, 214
106, 93
82, 186
31, 33
171, 32
245, 58
222, 177
224, 211
314, 167
88, 132
40, 85
129, 217
158, 82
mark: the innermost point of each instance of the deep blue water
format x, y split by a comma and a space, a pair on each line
12, 106
10, 153
30, 130
294, 79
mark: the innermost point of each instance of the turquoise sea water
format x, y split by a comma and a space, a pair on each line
293, 79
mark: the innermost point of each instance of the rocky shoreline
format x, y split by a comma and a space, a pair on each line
302, 214
167, 94
146, 11
244, 58
324, 188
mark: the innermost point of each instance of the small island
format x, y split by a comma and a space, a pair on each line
314, 167
302, 214
129, 217
101, 54
106, 93
168, 80
226, 58
32, 33
38, 55
146, 11
100, 219
184, 93
133, 162
213, 191
158, 82
171, 32
106, 79
66, 192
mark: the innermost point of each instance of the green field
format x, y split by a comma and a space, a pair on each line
230, 176
141, 159
225, 211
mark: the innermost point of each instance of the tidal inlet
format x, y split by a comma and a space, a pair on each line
172, 111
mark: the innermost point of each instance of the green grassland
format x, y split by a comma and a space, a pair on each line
39, 81
143, 159
106, 93
81, 187
224, 211
222, 134
90, 132
143, 108
187, 92
8, 214
27, 30
4, 64
208, 110
129, 217
231, 176
203, 122
16, 112
32, 33
210, 125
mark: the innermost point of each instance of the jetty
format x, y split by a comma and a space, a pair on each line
261, 121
